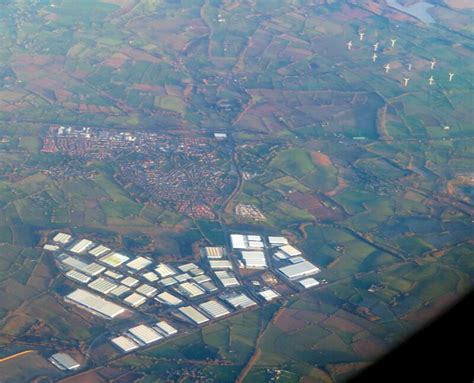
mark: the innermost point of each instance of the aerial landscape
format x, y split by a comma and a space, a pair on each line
230, 190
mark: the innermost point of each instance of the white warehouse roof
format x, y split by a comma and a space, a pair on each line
164, 270
277, 241
125, 343
78, 276
81, 246
129, 281
238, 241
240, 301
254, 259
165, 328
62, 238
146, 290
139, 263
220, 264
227, 279
290, 250
99, 251
269, 294
64, 361
95, 304
214, 309
193, 314
309, 282
214, 252
145, 334
190, 289
135, 300
102, 285
299, 270
168, 299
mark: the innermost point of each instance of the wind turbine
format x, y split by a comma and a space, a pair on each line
349, 45
387, 68
451, 76
374, 57
431, 80
409, 66
393, 41
376, 46
433, 63
361, 36
405, 81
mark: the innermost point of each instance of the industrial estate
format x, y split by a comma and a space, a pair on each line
114, 285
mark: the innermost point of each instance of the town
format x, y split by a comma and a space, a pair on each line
116, 285
192, 174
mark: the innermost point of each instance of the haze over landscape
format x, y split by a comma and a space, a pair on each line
230, 191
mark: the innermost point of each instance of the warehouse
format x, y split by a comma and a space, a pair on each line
220, 264
77, 276
146, 290
64, 362
145, 334
182, 277
165, 329
114, 259
243, 242
135, 300
299, 270
290, 250
297, 259
102, 285
168, 299
227, 279
268, 294
99, 251
130, 281
164, 270
254, 259
214, 309
125, 343
193, 314
189, 289
93, 269
239, 241
113, 274
309, 282
209, 286
202, 278
214, 252
62, 238
120, 290
72, 262
277, 241
49, 247
86, 268
170, 281
239, 301
197, 271
187, 267
95, 304
139, 263
81, 246
150, 276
